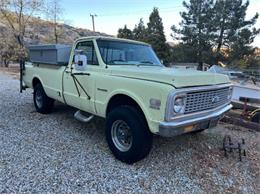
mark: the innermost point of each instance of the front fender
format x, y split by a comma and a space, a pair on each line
153, 117
141, 91
131, 95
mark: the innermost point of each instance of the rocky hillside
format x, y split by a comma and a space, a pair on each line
41, 31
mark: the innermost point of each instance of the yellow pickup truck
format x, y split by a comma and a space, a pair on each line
124, 81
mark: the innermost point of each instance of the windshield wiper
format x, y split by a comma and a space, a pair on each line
146, 62
114, 61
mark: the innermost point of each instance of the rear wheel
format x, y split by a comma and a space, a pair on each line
42, 102
127, 134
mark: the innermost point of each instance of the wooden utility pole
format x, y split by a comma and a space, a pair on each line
93, 20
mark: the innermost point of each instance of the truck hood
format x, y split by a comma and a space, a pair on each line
177, 77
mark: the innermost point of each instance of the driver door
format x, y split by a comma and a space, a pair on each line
79, 82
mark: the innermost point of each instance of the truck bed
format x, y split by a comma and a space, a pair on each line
49, 75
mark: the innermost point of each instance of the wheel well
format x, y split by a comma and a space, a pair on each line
120, 100
35, 82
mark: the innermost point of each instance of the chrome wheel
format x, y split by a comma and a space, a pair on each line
121, 135
39, 98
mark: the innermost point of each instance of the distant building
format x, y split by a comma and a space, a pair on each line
193, 66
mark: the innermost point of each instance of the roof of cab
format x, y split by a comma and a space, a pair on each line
112, 39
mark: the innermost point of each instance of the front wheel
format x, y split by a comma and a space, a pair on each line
127, 134
43, 104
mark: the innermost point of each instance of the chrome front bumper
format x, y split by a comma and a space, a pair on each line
194, 122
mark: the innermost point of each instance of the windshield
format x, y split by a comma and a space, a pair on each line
123, 53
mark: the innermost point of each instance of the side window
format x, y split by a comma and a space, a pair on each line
88, 49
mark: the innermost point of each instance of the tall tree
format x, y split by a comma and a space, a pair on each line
241, 52
16, 15
230, 23
54, 13
196, 28
140, 31
125, 33
156, 36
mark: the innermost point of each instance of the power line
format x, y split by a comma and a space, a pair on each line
136, 12
170, 9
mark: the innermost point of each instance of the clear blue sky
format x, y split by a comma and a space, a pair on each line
113, 14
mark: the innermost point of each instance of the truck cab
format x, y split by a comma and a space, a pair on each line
124, 81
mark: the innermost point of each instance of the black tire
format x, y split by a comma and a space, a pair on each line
256, 118
44, 105
141, 135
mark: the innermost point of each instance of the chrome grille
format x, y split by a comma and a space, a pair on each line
205, 100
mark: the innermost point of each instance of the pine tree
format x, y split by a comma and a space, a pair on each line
125, 33
196, 28
229, 21
156, 37
140, 31
241, 52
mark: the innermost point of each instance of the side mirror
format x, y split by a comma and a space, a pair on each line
80, 62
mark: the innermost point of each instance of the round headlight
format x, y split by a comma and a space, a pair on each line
179, 104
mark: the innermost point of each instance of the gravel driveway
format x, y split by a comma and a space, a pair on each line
57, 154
